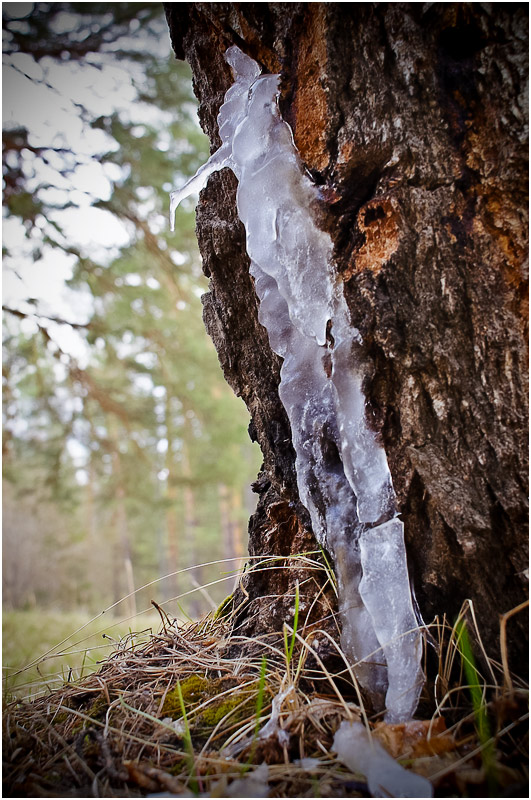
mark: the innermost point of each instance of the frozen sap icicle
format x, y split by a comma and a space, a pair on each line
358, 637
382, 589
216, 162
342, 472
273, 203
364, 458
230, 115
245, 68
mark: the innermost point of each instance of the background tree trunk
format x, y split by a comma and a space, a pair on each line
412, 119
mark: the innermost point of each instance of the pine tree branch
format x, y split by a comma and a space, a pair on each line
25, 315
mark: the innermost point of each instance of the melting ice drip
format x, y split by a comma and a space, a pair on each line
342, 472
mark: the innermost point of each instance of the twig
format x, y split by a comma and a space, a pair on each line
503, 642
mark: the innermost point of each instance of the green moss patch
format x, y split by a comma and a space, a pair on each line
197, 689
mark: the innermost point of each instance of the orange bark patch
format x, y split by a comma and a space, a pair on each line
346, 151
502, 209
311, 105
379, 221
500, 218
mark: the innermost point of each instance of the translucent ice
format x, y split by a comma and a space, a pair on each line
254, 784
342, 472
383, 563
355, 748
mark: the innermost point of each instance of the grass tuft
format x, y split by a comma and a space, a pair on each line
185, 708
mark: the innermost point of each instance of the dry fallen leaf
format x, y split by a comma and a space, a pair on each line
411, 738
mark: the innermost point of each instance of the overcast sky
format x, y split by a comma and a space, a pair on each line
45, 97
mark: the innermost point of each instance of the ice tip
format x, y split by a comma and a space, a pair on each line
243, 66
174, 202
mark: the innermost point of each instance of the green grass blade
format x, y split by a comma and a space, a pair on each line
260, 695
295, 622
187, 738
258, 714
481, 719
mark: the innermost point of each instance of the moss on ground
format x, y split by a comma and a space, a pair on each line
98, 708
198, 689
193, 691
63, 751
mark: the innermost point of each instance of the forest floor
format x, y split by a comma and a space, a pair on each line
195, 711
28, 634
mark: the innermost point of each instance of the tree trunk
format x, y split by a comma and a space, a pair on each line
171, 495
195, 605
411, 117
123, 552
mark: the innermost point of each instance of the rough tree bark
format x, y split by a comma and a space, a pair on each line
412, 119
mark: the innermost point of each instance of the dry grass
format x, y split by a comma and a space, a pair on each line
121, 731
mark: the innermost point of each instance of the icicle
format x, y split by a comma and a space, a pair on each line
383, 563
216, 162
342, 472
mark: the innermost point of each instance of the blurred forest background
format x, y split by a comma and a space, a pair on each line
125, 455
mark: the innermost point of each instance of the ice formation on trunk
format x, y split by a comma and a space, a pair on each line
342, 472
